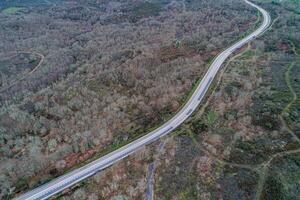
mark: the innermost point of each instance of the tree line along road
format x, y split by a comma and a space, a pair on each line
61, 183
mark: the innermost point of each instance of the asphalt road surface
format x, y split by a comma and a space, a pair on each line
57, 185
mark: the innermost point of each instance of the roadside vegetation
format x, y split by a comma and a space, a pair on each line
99, 75
95, 92
224, 151
252, 150
243, 142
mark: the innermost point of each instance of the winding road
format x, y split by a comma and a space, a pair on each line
57, 185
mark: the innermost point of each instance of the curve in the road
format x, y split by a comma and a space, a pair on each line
73, 177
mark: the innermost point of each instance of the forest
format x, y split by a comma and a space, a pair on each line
81, 78
242, 142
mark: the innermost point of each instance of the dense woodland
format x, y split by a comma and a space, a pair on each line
78, 78
243, 141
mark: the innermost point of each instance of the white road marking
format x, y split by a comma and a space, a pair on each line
57, 185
